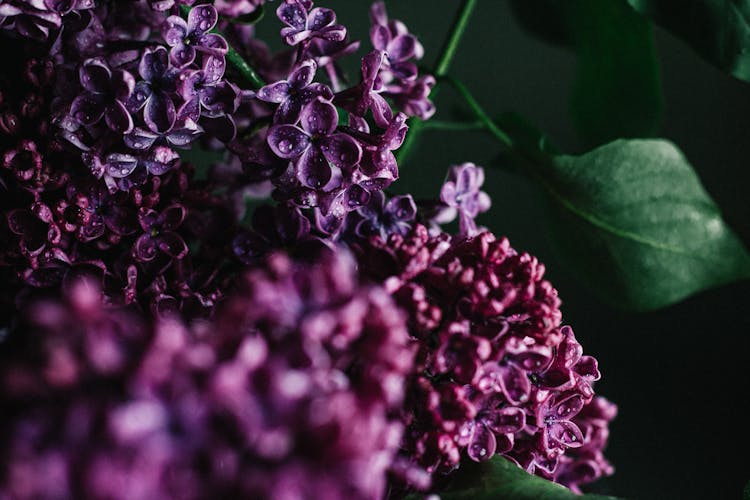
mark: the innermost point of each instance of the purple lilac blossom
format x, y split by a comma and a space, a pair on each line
496, 373
293, 94
289, 393
304, 24
187, 37
106, 93
319, 154
462, 193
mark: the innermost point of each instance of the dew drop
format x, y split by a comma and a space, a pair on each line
285, 146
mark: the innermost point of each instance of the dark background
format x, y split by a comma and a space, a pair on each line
679, 375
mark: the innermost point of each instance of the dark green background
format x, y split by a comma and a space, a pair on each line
680, 375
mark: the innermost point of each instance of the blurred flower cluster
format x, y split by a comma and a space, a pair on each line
160, 339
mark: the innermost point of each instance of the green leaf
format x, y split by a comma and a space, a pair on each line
719, 30
500, 478
617, 90
633, 221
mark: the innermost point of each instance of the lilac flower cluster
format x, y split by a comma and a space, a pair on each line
162, 338
496, 373
289, 393
328, 166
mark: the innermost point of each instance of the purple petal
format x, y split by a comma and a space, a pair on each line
202, 18
292, 15
319, 18
482, 445
221, 127
402, 47
95, 75
565, 433
154, 64
342, 150
214, 68
123, 84
174, 30
87, 109
120, 165
319, 117
140, 139
288, 141
172, 244
182, 55
118, 118
145, 248
161, 161
506, 420
568, 407
380, 36
159, 112
381, 110
147, 218
212, 44
172, 216
335, 33
303, 75
275, 92
141, 93
313, 169
588, 367
515, 384
402, 208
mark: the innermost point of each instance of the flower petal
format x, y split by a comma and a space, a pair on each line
159, 112
293, 15
319, 117
120, 165
482, 445
342, 150
202, 18
274, 92
313, 169
505, 420
303, 75
288, 141
87, 108
182, 55
172, 244
118, 118
515, 384
174, 30
95, 75
154, 64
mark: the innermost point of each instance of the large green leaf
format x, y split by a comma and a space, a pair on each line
717, 29
617, 90
501, 479
632, 220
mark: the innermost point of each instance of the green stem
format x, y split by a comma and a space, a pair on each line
235, 59
451, 44
479, 112
447, 52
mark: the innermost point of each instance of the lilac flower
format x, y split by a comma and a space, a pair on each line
366, 95
378, 164
205, 91
159, 234
38, 18
412, 96
384, 218
91, 211
164, 5
461, 192
315, 148
186, 38
36, 228
291, 388
398, 44
294, 93
303, 24
154, 93
181, 135
106, 93
497, 373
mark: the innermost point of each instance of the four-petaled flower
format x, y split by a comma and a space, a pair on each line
154, 93
316, 148
395, 216
187, 37
302, 25
293, 93
159, 234
106, 93
400, 46
462, 192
